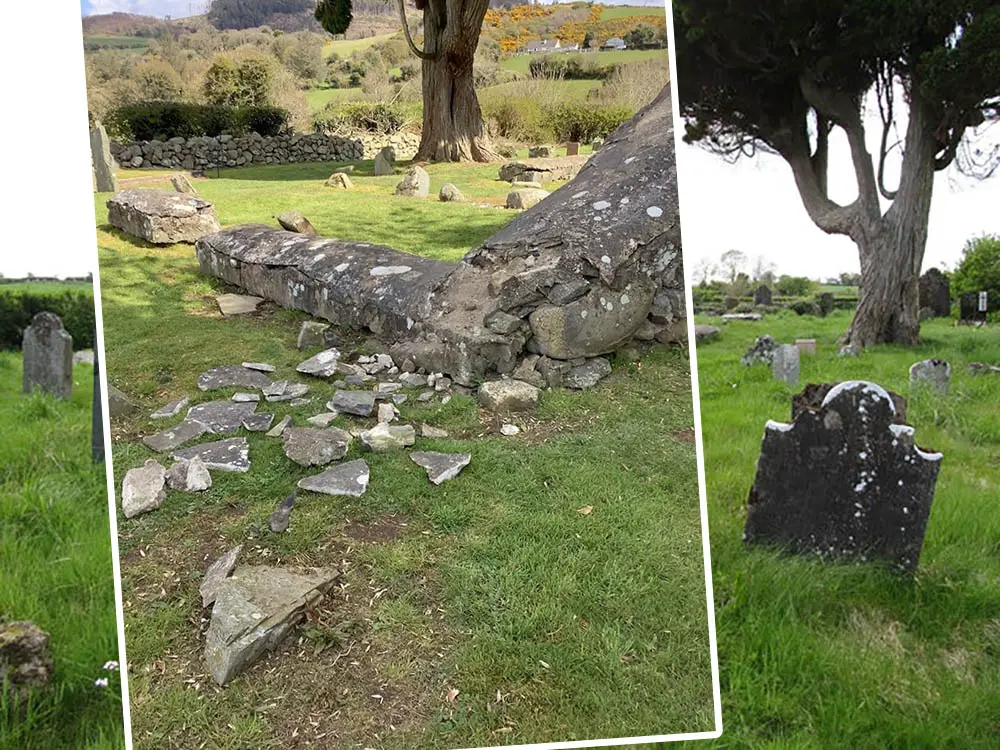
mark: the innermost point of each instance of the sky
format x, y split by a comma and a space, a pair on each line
753, 206
158, 8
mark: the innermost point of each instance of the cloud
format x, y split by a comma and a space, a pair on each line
158, 8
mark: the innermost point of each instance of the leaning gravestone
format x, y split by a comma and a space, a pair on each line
383, 162
973, 308
48, 356
762, 295
844, 480
935, 293
786, 364
163, 217
104, 162
932, 373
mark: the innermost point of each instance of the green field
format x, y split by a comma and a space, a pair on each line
46, 287
628, 11
519, 63
56, 565
347, 47
814, 655
130, 43
551, 623
319, 98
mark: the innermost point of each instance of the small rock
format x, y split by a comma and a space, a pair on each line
173, 437
441, 467
232, 376
309, 446
170, 410
358, 403
258, 422
383, 437
259, 366
279, 428
143, 489
246, 398
413, 380
189, 476
321, 365
339, 180
350, 479
588, 374
450, 194
237, 304
500, 322
387, 413
703, 333
425, 396
509, 430
323, 420
120, 405
294, 221
508, 395
432, 432
416, 183
221, 417
232, 454
217, 573
312, 334
525, 197
26, 662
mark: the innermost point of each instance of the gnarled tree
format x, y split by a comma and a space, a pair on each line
781, 75
453, 122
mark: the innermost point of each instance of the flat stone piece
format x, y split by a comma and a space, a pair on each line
526, 197
259, 366
761, 353
25, 658
508, 395
312, 334
587, 375
323, 420
246, 398
428, 431
786, 364
932, 373
321, 365
844, 480
231, 454
221, 417
349, 478
743, 316
189, 476
289, 392
163, 217
237, 304
254, 610
413, 380
358, 403
143, 489
232, 376
294, 221
441, 467
258, 422
279, 429
217, 573
47, 357
173, 437
385, 437
170, 410
312, 446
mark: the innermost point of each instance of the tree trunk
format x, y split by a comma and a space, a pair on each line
453, 122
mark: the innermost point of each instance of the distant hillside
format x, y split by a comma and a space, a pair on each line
122, 24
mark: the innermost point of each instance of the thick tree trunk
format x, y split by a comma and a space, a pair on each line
453, 122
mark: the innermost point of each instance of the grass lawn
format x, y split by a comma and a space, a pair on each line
320, 97
628, 11
815, 655
519, 63
550, 623
55, 562
46, 287
347, 47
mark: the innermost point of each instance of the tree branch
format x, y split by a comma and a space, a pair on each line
409, 39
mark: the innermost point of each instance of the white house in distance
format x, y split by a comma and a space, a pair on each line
614, 43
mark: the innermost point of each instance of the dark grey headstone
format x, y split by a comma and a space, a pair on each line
844, 480
974, 307
812, 396
47, 354
935, 293
762, 295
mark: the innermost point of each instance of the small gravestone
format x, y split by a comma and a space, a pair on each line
761, 353
786, 364
762, 295
844, 481
973, 308
573, 148
383, 162
539, 152
339, 180
813, 394
295, 221
935, 294
104, 162
416, 183
183, 185
825, 303
47, 356
932, 373
450, 194
806, 346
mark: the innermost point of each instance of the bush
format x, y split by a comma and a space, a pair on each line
148, 121
805, 307
569, 67
18, 308
794, 286
979, 269
583, 122
382, 119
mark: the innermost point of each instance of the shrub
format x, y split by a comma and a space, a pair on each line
18, 308
382, 119
979, 269
805, 307
147, 121
569, 67
584, 122
794, 286
243, 80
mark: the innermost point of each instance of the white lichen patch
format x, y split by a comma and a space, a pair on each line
342, 267
389, 270
654, 212
606, 259
876, 391
601, 205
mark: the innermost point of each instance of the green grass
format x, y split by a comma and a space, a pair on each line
129, 43
55, 563
550, 623
320, 97
815, 655
46, 287
519, 63
347, 47
611, 12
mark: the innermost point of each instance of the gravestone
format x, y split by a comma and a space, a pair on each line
935, 294
48, 356
183, 185
933, 373
813, 394
761, 353
825, 302
573, 148
786, 364
383, 162
416, 183
104, 162
973, 308
806, 346
843, 481
26, 662
162, 217
762, 295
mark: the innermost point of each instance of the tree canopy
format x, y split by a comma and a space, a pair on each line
246, 14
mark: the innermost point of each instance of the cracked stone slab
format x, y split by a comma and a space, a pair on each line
313, 446
189, 476
385, 437
232, 376
221, 417
246, 398
143, 489
441, 467
231, 454
163, 217
173, 437
285, 390
358, 403
258, 422
170, 410
350, 479
255, 609
237, 304
217, 573
259, 366
321, 365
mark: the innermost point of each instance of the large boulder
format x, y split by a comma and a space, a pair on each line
416, 183
163, 217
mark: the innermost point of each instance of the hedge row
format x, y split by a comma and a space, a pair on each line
161, 121
75, 308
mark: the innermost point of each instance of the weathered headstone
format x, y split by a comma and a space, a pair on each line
762, 295
47, 356
761, 353
104, 162
932, 373
383, 162
786, 364
573, 148
935, 293
844, 480
973, 308
450, 194
806, 346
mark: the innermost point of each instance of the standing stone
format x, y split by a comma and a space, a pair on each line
183, 185
25, 659
383, 162
47, 356
295, 221
416, 183
762, 295
786, 364
844, 480
935, 293
104, 162
573, 148
450, 194
934, 373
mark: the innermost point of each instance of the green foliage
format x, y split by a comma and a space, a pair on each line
147, 121
76, 309
794, 286
246, 14
569, 67
369, 117
334, 15
584, 122
244, 81
979, 269
642, 36
158, 81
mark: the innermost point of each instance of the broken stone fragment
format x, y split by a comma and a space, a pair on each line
278, 521
254, 610
189, 476
232, 454
387, 413
143, 489
441, 467
413, 380
323, 420
259, 366
500, 322
312, 334
339, 180
246, 398
311, 446
587, 375
170, 410
217, 573
171, 438
294, 221
119, 403
432, 432
384, 437
287, 391
258, 422
221, 417
350, 479
358, 403
279, 428
931, 373
508, 395
321, 365
237, 304
232, 376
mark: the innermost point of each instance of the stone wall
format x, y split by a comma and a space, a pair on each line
208, 152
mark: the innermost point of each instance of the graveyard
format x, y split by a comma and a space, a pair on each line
59, 685
845, 652
545, 584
